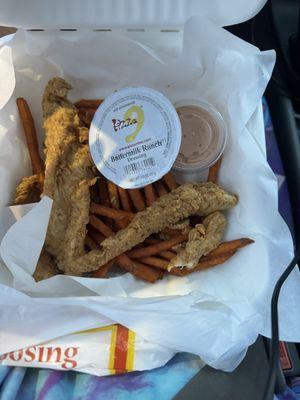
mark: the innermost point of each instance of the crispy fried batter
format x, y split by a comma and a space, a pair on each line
28, 190
45, 267
201, 198
67, 177
181, 226
202, 240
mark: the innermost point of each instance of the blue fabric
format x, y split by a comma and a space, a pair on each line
288, 394
12, 382
295, 386
43, 384
158, 384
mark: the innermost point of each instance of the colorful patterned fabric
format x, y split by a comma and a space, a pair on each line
295, 386
161, 383
42, 384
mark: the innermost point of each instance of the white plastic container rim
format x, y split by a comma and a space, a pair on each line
134, 14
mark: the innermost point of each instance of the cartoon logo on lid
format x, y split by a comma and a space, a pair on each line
129, 120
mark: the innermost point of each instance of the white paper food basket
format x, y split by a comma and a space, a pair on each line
218, 314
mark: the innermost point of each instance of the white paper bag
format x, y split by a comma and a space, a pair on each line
215, 314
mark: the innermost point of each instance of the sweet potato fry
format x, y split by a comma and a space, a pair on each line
103, 191
85, 118
100, 226
227, 247
138, 269
104, 197
167, 254
95, 234
88, 103
115, 203
208, 263
103, 270
113, 213
171, 232
113, 195
134, 267
157, 247
155, 262
214, 171
87, 110
149, 194
94, 194
31, 139
86, 115
170, 181
90, 243
151, 240
161, 190
124, 199
137, 199
139, 246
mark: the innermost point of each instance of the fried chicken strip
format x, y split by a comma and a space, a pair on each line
202, 240
28, 190
68, 176
45, 268
189, 199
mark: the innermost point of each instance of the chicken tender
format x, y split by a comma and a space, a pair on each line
202, 240
28, 190
45, 268
68, 176
192, 198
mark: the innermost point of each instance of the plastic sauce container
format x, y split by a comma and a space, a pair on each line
203, 141
135, 137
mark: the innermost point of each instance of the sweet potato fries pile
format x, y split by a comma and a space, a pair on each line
149, 260
113, 208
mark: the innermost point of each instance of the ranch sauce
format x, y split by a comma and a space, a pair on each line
203, 138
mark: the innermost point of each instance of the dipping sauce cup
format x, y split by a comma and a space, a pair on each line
204, 136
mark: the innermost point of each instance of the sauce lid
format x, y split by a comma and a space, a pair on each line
135, 137
204, 135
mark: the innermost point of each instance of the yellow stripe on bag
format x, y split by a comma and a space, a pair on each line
130, 351
94, 330
117, 361
112, 349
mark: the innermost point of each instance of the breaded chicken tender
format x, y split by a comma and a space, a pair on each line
189, 199
202, 240
68, 176
46, 267
28, 190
